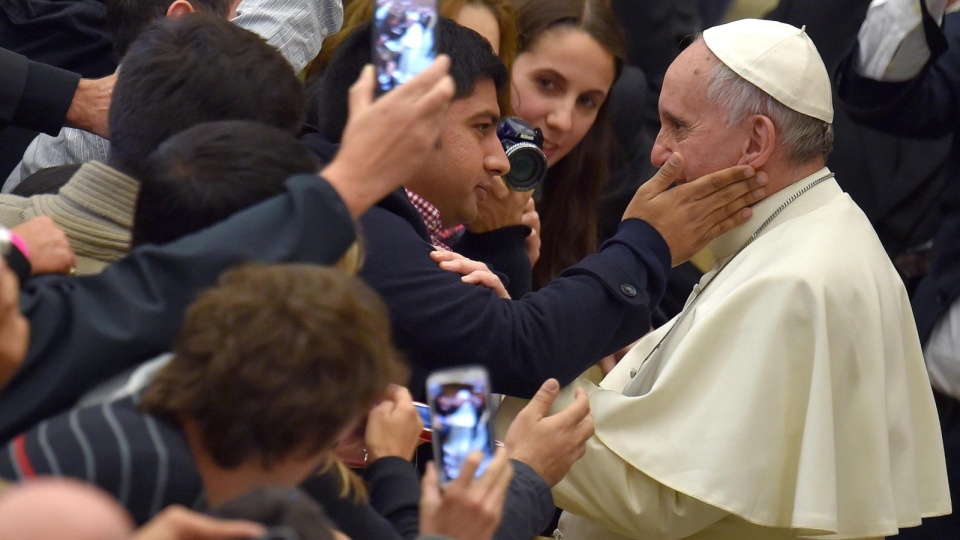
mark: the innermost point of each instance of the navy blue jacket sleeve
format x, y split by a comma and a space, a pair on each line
392, 512
591, 310
926, 106
395, 494
85, 330
528, 507
34, 95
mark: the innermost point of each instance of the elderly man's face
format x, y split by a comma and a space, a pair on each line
690, 124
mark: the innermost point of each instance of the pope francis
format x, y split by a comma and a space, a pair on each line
789, 398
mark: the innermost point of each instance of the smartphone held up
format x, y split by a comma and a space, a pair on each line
460, 418
403, 40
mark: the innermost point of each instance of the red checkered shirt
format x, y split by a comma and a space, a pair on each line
430, 216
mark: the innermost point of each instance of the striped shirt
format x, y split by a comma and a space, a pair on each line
141, 460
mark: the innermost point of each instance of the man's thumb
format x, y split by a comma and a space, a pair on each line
671, 172
544, 398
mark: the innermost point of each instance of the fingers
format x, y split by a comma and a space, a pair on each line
463, 266
540, 405
399, 394
361, 92
456, 263
729, 223
429, 488
497, 476
727, 183
730, 206
467, 471
576, 411
670, 173
487, 279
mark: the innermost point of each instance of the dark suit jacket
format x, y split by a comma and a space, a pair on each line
68, 34
34, 95
928, 106
86, 330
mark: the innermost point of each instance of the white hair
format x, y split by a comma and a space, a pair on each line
805, 138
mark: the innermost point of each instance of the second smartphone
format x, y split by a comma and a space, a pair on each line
460, 418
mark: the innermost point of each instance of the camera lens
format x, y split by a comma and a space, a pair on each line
527, 167
523, 145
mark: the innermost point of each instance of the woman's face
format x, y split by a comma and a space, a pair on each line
558, 86
482, 21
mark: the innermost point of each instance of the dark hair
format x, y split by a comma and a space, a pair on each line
471, 60
197, 68
276, 360
209, 172
570, 203
127, 18
281, 508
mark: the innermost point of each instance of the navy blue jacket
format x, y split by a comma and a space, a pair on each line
593, 309
927, 106
86, 330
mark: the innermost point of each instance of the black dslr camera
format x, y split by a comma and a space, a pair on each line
524, 147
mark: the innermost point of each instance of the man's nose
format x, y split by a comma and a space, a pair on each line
660, 152
496, 162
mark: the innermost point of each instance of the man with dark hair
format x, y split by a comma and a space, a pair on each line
593, 309
182, 71
271, 365
197, 68
211, 171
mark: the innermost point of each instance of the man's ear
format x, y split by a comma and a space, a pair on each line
180, 7
762, 141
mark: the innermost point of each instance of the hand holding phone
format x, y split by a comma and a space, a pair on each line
468, 508
460, 418
393, 426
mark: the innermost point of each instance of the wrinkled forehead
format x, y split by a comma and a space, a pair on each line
690, 74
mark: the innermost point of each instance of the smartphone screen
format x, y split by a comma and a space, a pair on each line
460, 418
403, 40
424, 411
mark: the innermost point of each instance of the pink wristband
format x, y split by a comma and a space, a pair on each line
21, 245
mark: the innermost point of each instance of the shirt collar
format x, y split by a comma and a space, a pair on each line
728, 243
430, 216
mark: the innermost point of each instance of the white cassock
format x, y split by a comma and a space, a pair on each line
792, 400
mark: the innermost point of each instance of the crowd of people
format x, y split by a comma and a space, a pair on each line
237, 250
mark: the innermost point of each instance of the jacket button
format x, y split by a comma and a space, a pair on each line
628, 290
